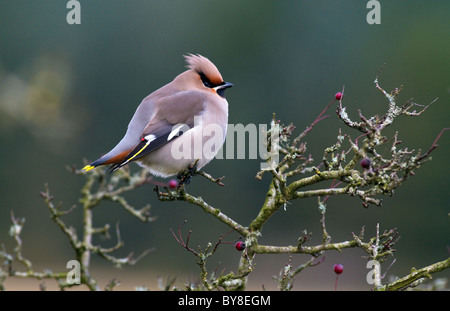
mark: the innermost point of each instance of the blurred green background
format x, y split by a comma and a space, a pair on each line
67, 93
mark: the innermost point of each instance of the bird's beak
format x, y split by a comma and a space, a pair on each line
225, 85
220, 89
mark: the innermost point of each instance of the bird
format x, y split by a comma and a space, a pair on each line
180, 126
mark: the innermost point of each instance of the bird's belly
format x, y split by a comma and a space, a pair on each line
194, 146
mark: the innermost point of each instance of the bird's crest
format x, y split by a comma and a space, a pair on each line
204, 66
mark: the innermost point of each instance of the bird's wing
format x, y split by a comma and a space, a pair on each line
174, 115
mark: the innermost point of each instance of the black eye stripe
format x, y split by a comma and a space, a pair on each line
206, 81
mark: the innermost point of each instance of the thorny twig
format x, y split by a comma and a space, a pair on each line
229, 281
82, 244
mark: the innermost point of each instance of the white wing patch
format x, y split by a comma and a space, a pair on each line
150, 138
175, 130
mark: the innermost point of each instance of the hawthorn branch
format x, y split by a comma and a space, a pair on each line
416, 276
96, 189
6, 267
182, 195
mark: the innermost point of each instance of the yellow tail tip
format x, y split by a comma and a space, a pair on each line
87, 168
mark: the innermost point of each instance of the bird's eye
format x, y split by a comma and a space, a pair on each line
205, 80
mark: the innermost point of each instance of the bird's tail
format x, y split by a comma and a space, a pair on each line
93, 165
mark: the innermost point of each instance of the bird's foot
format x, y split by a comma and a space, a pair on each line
186, 176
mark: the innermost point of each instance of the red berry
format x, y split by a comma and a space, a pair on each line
338, 95
338, 268
173, 184
240, 246
365, 163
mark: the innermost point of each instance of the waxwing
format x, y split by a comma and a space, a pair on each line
181, 124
